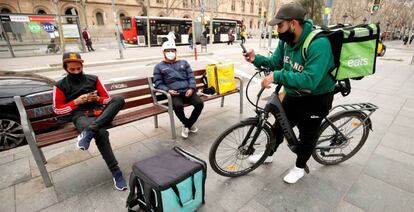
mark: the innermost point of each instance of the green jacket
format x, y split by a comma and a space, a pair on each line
292, 70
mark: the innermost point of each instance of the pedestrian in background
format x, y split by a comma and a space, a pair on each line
121, 39
231, 37
171, 35
190, 37
87, 37
243, 35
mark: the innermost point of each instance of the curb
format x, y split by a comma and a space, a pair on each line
58, 66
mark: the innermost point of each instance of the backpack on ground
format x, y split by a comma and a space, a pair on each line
173, 180
354, 49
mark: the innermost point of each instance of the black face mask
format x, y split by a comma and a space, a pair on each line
75, 77
287, 36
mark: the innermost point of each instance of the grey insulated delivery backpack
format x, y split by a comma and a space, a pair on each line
354, 49
173, 180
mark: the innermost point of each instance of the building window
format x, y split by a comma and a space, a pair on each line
121, 15
5, 10
99, 19
71, 11
243, 5
251, 6
260, 9
159, 1
251, 24
41, 11
233, 5
185, 3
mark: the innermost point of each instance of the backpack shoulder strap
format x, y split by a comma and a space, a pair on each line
308, 41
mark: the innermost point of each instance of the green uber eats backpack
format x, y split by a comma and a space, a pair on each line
354, 49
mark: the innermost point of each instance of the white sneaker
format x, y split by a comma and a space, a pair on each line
294, 175
184, 132
254, 158
193, 129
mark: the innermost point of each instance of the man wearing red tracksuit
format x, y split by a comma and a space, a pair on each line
91, 109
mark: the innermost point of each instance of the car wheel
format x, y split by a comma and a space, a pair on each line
11, 132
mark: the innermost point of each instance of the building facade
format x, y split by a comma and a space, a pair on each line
97, 15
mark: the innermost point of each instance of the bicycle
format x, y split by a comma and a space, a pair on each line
255, 134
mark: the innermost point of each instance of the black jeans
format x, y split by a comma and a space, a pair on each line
307, 114
178, 106
98, 124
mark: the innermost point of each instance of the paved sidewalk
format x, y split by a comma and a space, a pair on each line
380, 177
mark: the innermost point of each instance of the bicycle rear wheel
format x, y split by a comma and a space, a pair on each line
332, 148
229, 158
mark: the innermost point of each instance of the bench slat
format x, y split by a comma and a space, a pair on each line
126, 84
38, 99
138, 102
199, 72
134, 93
40, 112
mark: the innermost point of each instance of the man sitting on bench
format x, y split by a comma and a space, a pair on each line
91, 109
177, 78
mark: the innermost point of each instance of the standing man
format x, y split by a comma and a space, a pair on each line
86, 100
243, 35
305, 110
87, 37
177, 78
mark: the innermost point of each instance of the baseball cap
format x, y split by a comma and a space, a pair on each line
288, 12
72, 57
168, 45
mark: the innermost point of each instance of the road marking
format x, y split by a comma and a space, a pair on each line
238, 72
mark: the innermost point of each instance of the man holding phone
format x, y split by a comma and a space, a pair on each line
291, 69
84, 98
176, 77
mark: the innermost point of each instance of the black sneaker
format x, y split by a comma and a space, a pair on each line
84, 139
119, 181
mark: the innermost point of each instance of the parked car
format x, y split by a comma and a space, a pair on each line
17, 84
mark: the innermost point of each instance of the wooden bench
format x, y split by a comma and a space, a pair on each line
36, 112
142, 101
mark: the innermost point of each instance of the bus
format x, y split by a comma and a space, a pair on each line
134, 29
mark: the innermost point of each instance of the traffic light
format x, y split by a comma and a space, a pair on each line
376, 6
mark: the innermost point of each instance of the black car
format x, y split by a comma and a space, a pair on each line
16, 84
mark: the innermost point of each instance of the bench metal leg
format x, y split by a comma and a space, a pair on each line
172, 123
156, 121
39, 159
222, 102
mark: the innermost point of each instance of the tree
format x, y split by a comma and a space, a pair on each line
170, 5
314, 9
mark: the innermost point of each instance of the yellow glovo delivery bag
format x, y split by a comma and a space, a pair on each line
221, 77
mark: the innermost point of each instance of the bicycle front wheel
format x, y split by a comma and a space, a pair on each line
333, 148
229, 158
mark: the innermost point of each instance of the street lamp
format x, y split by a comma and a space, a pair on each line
345, 16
